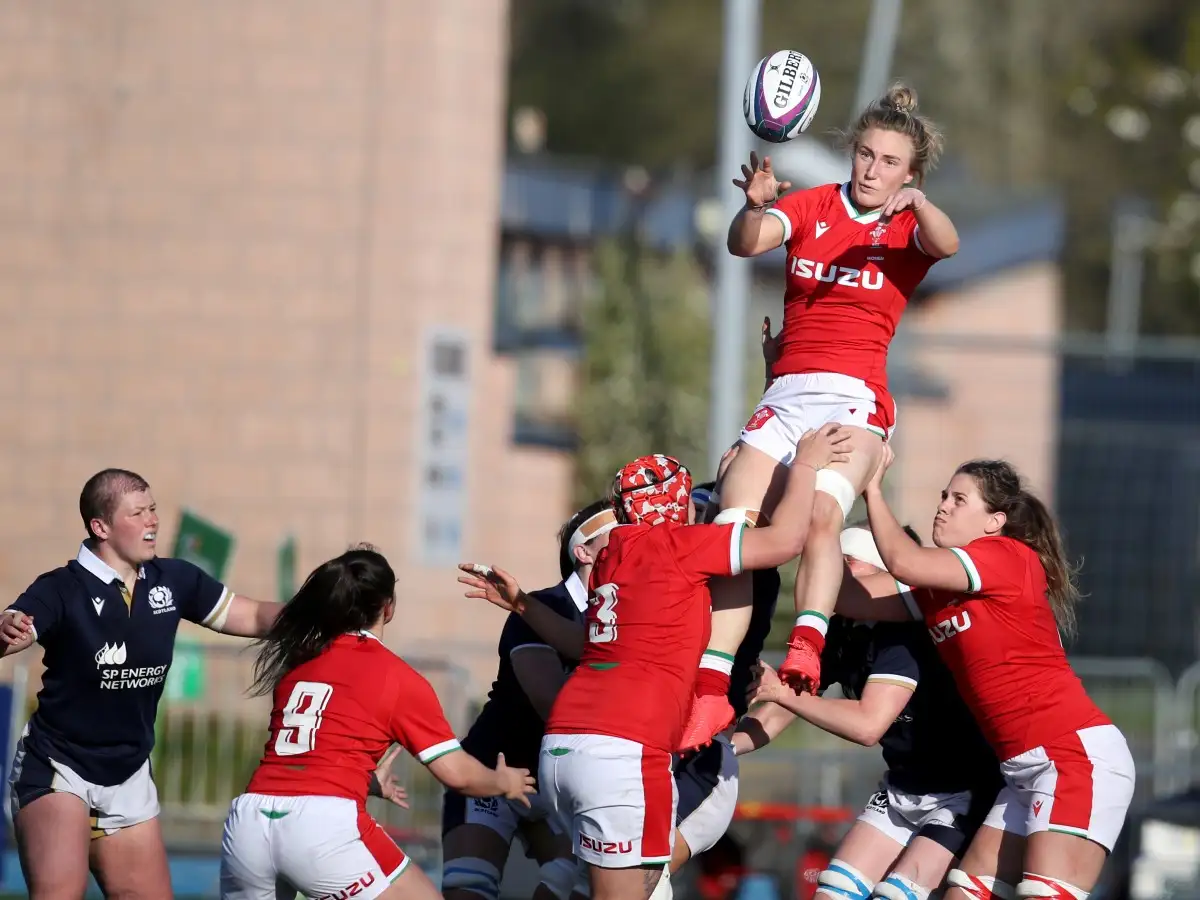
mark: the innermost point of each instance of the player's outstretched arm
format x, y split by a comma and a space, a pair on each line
500, 589
905, 559
861, 721
760, 726
16, 632
246, 617
752, 232
462, 772
783, 538
936, 235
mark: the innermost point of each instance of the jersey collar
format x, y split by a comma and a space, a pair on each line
99, 567
863, 218
366, 634
577, 591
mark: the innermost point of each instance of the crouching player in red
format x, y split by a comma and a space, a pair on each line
341, 698
606, 757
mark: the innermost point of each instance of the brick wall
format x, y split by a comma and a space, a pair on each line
224, 229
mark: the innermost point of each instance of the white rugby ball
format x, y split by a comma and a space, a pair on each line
782, 96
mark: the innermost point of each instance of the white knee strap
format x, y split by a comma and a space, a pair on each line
558, 876
469, 873
1045, 888
736, 514
897, 887
662, 890
981, 887
844, 882
837, 486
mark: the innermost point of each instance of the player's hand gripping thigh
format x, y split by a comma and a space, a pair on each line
820, 573
753, 481
132, 864
54, 835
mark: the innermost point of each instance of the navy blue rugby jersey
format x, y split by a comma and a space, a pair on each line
106, 656
934, 746
508, 723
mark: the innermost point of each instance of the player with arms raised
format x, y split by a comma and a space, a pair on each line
341, 698
997, 594
607, 755
855, 254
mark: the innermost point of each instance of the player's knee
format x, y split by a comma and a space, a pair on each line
736, 514
559, 876
841, 881
980, 887
471, 875
1041, 887
897, 887
839, 488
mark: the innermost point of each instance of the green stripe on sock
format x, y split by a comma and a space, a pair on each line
718, 661
810, 618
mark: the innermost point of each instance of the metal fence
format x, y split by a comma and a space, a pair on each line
208, 744
800, 791
209, 741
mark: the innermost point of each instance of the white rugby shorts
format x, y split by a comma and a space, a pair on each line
323, 847
794, 404
112, 807
1080, 784
902, 815
707, 787
616, 798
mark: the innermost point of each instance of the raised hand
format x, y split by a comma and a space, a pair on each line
827, 444
494, 585
759, 182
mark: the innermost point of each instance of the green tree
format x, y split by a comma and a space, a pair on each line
644, 370
1030, 93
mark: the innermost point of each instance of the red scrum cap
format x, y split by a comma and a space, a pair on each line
654, 489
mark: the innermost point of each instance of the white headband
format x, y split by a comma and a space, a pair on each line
858, 543
601, 523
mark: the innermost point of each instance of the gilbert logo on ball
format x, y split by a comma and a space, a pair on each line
782, 96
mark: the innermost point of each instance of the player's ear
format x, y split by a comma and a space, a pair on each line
995, 523
909, 177
389, 610
100, 529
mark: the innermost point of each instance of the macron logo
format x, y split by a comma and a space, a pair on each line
821, 228
98, 603
111, 655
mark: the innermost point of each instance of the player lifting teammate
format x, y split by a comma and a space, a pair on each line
855, 254
341, 698
607, 755
706, 782
942, 776
477, 833
997, 594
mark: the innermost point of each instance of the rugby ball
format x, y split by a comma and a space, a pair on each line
782, 96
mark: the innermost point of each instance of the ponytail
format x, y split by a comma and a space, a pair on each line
1027, 520
341, 596
1031, 523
